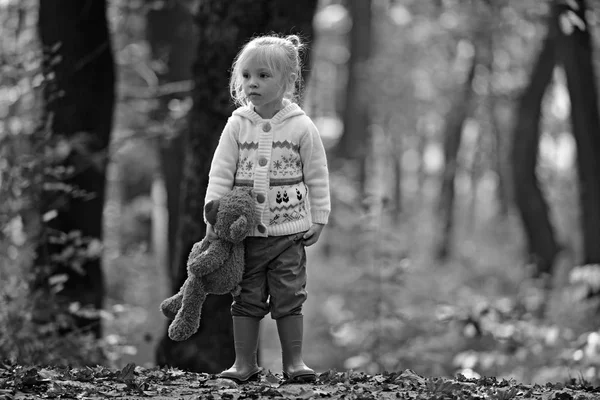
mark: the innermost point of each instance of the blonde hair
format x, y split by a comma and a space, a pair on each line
281, 54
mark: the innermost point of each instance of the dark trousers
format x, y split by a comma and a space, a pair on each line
274, 278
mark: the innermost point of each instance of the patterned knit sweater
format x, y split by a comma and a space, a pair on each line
283, 159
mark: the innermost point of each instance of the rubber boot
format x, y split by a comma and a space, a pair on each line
290, 331
245, 336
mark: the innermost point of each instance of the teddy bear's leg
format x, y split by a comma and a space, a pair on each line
170, 306
245, 336
187, 320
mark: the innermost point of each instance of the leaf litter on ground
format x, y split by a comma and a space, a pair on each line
134, 382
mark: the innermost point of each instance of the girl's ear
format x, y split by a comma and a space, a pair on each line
288, 88
292, 78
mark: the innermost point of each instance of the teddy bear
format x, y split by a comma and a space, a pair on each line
213, 267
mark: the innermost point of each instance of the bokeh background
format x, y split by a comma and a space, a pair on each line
426, 263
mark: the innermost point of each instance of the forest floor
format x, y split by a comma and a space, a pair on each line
131, 382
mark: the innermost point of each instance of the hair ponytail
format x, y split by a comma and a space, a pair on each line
295, 40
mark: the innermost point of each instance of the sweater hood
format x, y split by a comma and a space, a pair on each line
289, 110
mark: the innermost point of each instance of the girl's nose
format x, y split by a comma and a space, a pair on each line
253, 84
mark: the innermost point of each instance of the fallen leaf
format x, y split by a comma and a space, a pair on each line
306, 394
272, 379
127, 373
222, 383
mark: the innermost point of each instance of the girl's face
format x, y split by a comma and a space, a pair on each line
263, 86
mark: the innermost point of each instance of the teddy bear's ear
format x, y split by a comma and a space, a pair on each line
239, 229
210, 211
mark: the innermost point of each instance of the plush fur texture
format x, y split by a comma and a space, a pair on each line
214, 267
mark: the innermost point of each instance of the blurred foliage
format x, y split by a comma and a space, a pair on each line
34, 327
478, 314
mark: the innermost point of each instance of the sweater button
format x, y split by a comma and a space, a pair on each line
262, 161
260, 198
262, 229
266, 127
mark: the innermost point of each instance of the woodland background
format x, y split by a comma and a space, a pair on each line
463, 139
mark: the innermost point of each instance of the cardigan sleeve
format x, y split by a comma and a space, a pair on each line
224, 164
316, 173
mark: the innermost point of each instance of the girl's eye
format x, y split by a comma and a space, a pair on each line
245, 76
264, 75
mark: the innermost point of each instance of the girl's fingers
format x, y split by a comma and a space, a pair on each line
312, 239
310, 233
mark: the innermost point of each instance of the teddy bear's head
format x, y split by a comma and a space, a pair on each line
233, 215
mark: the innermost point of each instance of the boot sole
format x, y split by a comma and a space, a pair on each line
306, 378
255, 377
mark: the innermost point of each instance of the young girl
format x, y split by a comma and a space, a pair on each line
271, 145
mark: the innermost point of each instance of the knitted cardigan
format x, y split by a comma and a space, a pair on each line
283, 160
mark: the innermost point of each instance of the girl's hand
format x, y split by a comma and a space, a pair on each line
211, 234
312, 234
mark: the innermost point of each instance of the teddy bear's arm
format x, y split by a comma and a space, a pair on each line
236, 291
211, 259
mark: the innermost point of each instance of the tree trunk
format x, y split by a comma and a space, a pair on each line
79, 102
533, 209
397, 181
224, 26
172, 39
500, 144
500, 162
574, 52
354, 143
452, 137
